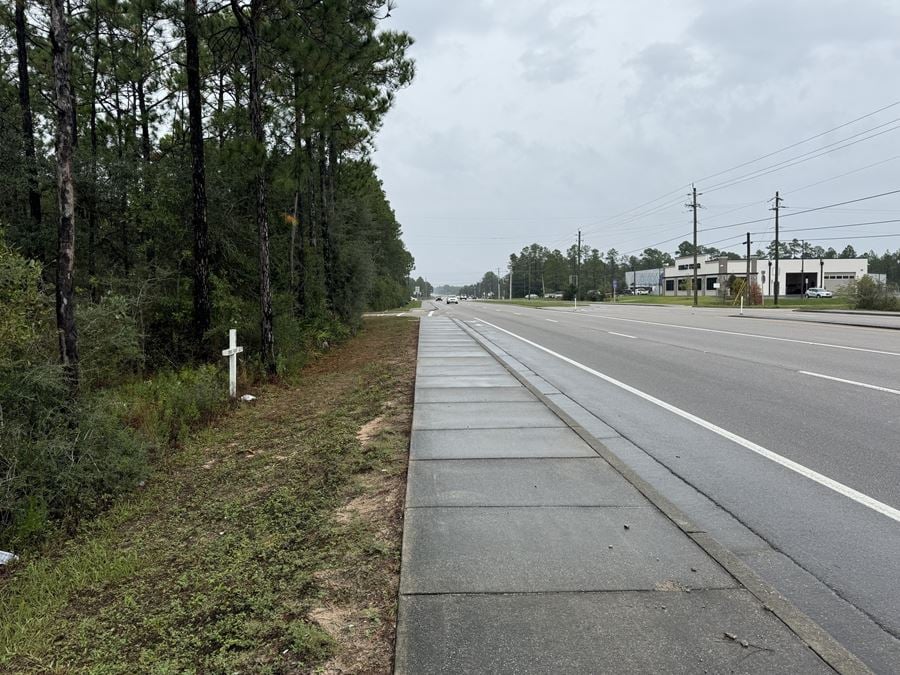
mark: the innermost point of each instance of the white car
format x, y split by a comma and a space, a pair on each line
641, 291
452, 300
818, 293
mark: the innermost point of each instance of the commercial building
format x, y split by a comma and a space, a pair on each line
650, 279
796, 275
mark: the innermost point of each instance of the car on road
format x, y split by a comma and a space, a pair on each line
452, 300
818, 293
438, 299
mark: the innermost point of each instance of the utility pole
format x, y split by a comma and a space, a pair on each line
510, 281
747, 284
578, 269
694, 206
498, 283
776, 209
802, 268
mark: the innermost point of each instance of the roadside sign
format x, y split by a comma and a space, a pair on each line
615, 284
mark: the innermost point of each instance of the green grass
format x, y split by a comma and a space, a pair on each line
710, 301
268, 543
412, 304
539, 302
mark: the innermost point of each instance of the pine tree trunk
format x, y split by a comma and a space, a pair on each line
298, 244
34, 195
94, 191
65, 264
249, 29
202, 304
325, 211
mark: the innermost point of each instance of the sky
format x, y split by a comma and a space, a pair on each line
530, 120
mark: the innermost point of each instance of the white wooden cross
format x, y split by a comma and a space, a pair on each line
232, 352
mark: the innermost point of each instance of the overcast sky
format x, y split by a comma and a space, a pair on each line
530, 119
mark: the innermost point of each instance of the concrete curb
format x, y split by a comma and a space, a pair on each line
821, 322
814, 636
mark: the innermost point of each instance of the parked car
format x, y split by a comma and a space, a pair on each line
452, 300
438, 299
641, 290
818, 293
626, 291
531, 296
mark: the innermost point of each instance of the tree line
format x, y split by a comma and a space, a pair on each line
205, 152
539, 270
170, 169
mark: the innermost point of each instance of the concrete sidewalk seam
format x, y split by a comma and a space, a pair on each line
814, 636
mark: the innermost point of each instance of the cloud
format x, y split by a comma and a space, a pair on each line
530, 119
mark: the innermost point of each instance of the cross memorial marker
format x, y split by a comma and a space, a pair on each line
232, 352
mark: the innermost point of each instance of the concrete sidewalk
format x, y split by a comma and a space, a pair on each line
525, 551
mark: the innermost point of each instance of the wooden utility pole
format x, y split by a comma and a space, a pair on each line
578, 268
747, 283
776, 209
65, 261
694, 205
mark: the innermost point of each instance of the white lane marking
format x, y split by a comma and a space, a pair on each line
830, 483
518, 313
631, 337
551, 320
854, 382
431, 313
750, 335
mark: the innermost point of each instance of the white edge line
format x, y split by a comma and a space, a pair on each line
630, 337
551, 320
853, 382
830, 483
740, 334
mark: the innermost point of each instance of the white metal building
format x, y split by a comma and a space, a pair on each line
796, 275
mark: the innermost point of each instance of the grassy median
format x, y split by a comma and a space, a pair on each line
269, 543
713, 301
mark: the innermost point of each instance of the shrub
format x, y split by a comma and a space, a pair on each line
23, 308
756, 296
109, 341
163, 410
81, 461
867, 293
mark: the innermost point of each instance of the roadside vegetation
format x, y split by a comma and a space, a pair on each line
268, 542
215, 172
867, 293
536, 302
837, 302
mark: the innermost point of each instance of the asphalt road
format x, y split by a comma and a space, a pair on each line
780, 438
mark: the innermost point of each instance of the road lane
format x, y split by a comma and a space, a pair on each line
744, 385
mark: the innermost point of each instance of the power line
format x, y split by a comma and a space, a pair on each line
800, 213
758, 159
805, 140
805, 157
837, 227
